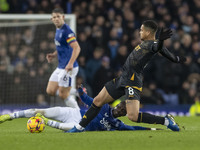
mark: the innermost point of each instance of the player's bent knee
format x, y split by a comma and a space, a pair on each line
98, 102
50, 92
63, 96
64, 92
133, 117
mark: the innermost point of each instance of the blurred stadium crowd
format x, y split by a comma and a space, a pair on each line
107, 31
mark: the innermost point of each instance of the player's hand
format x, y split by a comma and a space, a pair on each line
181, 59
164, 34
81, 89
69, 67
49, 57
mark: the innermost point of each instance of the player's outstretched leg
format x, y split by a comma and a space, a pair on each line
172, 124
55, 124
4, 118
41, 116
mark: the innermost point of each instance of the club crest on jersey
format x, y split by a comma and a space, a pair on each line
138, 48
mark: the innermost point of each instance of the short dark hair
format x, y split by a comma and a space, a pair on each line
152, 25
58, 10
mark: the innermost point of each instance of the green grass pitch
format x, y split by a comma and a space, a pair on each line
15, 136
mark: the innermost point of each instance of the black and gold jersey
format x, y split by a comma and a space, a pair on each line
139, 58
131, 81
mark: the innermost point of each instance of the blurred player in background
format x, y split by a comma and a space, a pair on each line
67, 51
195, 108
130, 82
69, 117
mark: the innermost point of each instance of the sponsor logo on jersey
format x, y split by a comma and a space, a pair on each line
56, 43
105, 123
106, 114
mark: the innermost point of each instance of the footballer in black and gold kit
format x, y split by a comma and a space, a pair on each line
130, 81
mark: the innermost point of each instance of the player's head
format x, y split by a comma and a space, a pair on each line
148, 30
119, 110
58, 17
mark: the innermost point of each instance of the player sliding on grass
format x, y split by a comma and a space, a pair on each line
69, 117
130, 82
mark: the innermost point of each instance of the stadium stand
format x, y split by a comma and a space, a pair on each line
111, 28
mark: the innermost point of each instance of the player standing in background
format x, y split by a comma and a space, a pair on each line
67, 51
130, 82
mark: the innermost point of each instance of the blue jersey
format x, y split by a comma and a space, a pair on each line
63, 38
105, 121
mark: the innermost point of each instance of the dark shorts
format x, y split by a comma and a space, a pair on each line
117, 89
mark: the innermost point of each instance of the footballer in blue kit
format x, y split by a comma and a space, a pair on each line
62, 79
105, 121
63, 38
69, 117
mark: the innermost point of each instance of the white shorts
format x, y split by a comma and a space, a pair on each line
64, 78
63, 114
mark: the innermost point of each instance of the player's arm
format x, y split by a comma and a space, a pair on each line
84, 97
50, 56
158, 47
176, 59
76, 50
124, 127
163, 35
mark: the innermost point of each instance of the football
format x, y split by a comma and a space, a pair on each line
35, 125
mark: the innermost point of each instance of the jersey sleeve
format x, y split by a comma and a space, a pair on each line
86, 99
127, 127
70, 36
166, 53
154, 47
